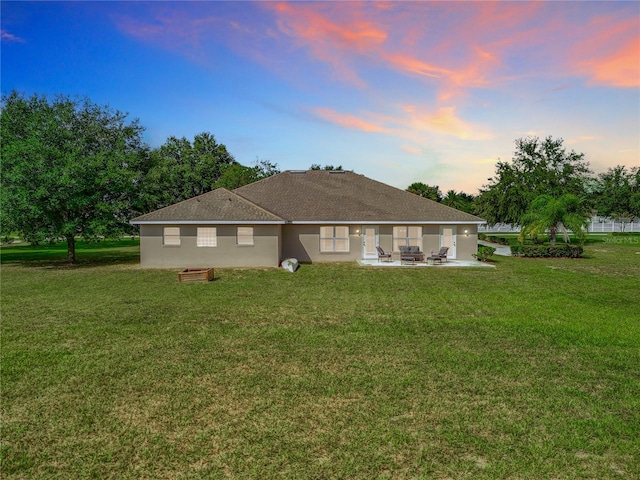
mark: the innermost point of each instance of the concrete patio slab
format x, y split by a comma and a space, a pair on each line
448, 264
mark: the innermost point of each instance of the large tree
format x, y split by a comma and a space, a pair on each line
69, 168
547, 213
617, 193
538, 167
183, 169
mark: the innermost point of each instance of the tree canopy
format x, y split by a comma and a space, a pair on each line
459, 200
69, 168
182, 169
617, 193
538, 167
236, 175
426, 191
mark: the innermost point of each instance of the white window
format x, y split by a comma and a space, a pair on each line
171, 236
407, 236
334, 239
245, 235
207, 237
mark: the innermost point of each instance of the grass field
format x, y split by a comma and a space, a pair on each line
530, 370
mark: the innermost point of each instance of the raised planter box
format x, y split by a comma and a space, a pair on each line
196, 275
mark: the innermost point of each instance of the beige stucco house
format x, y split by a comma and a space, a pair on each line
314, 216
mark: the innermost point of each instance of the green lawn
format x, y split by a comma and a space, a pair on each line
530, 370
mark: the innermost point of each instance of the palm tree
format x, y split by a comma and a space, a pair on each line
555, 215
461, 201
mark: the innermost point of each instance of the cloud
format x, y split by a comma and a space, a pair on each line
610, 54
421, 73
332, 41
9, 37
411, 149
582, 138
410, 122
619, 69
349, 120
441, 120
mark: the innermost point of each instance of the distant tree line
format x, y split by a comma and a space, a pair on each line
544, 167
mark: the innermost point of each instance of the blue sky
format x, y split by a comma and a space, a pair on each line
402, 92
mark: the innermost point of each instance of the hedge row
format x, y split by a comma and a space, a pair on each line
493, 238
547, 251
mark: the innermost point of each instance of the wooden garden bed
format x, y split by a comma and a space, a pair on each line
196, 275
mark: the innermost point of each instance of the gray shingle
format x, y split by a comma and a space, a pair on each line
344, 196
219, 205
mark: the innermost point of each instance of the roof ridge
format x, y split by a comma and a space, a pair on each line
253, 204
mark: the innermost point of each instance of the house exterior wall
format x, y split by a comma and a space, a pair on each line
265, 252
467, 244
303, 243
273, 243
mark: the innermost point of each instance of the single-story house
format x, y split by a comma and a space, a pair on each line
313, 216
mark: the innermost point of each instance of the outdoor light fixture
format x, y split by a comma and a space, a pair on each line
466, 232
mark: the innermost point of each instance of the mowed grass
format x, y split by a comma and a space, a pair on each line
529, 370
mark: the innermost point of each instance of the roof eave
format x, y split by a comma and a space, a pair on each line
386, 222
207, 222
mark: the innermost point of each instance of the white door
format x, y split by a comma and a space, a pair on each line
370, 241
448, 239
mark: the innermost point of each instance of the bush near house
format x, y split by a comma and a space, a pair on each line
547, 251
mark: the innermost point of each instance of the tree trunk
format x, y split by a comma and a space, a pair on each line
71, 248
552, 236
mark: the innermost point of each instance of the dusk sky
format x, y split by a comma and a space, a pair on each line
402, 92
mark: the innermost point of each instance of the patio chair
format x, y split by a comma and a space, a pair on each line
385, 256
439, 255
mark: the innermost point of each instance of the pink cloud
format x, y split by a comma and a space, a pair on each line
611, 55
9, 37
332, 41
349, 120
409, 122
450, 49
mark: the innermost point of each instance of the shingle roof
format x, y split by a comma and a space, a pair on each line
316, 196
309, 196
217, 206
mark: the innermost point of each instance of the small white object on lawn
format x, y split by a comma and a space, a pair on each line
290, 264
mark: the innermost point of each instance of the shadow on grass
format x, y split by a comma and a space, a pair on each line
88, 254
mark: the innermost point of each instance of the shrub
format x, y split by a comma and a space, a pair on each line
484, 252
482, 236
547, 251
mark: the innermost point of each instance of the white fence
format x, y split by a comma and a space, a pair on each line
596, 225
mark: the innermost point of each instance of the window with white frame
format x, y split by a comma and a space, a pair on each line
245, 236
407, 236
207, 237
171, 236
334, 239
